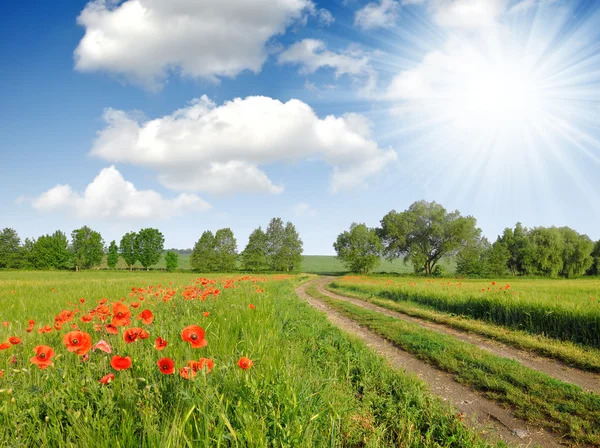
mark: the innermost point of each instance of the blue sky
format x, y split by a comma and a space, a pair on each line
190, 116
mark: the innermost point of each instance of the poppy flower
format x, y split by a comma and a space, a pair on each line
166, 366
146, 317
120, 362
111, 329
6, 324
87, 318
121, 315
251, 306
13, 359
82, 300
201, 363
245, 363
43, 355
45, 329
1, 373
194, 335
14, 340
135, 305
160, 344
102, 345
187, 372
107, 378
206, 313
132, 334
78, 342
5, 346
58, 326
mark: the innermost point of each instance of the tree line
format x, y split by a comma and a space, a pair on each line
277, 249
426, 232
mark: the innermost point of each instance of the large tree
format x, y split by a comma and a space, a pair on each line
275, 235
254, 256
52, 252
11, 253
171, 260
149, 244
203, 254
225, 250
425, 233
113, 255
577, 253
292, 248
128, 249
546, 255
518, 244
88, 248
595, 267
359, 248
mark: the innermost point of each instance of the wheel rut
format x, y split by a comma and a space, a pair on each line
493, 421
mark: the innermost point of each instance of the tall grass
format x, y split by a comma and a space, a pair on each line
310, 385
562, 309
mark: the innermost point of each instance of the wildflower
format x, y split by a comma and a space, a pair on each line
251, 306
45, 329
194, 335
206, 314
166, 366
132, 334
121, 315
82, 300
135, 305
102, 345
160, 344
107, 378
43, 355
78, 342
187, 373
201, 363
120, 363
5, 346
111, 329
146, 317
14, 340
245, 363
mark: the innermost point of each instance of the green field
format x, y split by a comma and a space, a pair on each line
310, 385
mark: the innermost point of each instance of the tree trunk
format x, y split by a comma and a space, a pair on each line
130, 268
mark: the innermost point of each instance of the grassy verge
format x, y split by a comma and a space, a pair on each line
585, 358
310, 384
557, 406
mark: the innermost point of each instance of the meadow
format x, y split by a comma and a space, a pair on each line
263, 369
567, 310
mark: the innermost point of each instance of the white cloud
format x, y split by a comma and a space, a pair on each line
468, 13
145, 40
378, 15
205, 147
110, 196
325, 17
302, 209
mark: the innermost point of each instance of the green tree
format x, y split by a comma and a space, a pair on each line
425, 233
52, 252
149, 244
203, 254
546, 255
482, 259
113, 255
595, 267
359, 248
254, 256
87, 246
292, 248
577, 253
128, 249
518, 244
284, 246
225, 250
171, 260
11, 253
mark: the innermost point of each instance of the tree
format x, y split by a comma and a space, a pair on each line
425, 233
275, 235
128, 249
113, 255
577, 253
87, 246
254, 256
360, 248
595, 267
52, 252
11, 254
547, 246
225, 250
203, 254
172, 260
518, 245
292, 248
482, 259
149, 244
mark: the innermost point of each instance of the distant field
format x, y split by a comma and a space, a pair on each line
311, 264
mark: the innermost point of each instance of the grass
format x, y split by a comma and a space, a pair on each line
563, 408
585, 358
310, 384
567, 310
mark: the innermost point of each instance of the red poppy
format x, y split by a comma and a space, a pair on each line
2, 373
103, 345
46, 329
135, 305
194, 335
87, 318
206, 313
78, 342
166, 366
201, 363
57, 326
121, 315
111, 329
132, 334
6, 324
245, 363
251, 306
146, 317
14, 340
5, 346
160, 344
187, 373
43, 355
107, 378
82, 300
120, 362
